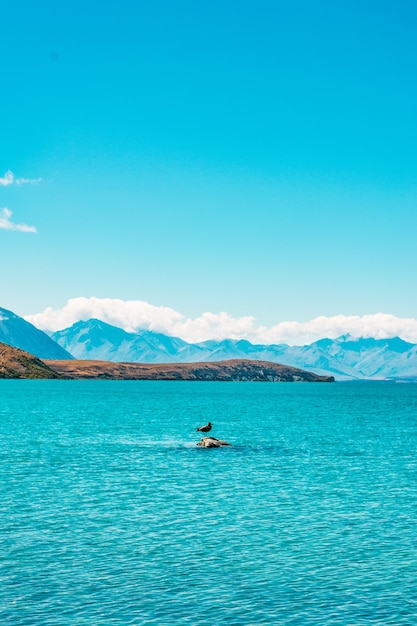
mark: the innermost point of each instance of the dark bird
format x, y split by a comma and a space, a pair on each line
204, 429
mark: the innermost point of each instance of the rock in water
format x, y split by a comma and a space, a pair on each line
212, 442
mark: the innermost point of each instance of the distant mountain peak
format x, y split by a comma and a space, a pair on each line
18, 333
5, 314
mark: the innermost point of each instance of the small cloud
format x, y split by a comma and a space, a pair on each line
10, 179
7, 179
7, 224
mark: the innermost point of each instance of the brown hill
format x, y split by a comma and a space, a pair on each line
233, 370
15, 363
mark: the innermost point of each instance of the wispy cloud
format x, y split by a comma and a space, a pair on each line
7, 224
136, 314
10, 179
5, 214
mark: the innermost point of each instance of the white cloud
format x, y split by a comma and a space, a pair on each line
5, 214
378, 325
7, 224
7, 179
136, 314
10, 179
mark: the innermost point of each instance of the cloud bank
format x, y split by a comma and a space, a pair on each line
135, 315
10, 179
7, 224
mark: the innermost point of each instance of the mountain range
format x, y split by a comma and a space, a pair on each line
345, 358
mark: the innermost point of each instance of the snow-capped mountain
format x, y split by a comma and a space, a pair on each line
345, 357
97, 340
18, 333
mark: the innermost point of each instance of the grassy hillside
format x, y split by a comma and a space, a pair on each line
15, 363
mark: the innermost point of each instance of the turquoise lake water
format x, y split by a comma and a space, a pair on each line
109, 513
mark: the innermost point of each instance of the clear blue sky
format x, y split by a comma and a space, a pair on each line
258, 158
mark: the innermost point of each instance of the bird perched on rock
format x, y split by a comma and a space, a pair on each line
204, 429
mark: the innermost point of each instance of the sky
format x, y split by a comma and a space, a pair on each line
221, 168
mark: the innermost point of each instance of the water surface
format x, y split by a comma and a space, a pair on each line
110, 514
